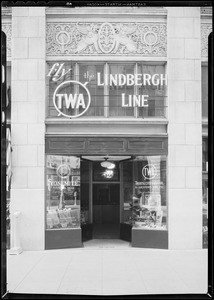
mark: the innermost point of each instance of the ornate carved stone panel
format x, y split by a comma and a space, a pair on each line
7, 28
206, 10
146, 39
205, 31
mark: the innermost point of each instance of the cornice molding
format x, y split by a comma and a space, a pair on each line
92, 12
6, 12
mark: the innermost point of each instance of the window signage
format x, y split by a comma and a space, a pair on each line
74, 101
72, 98
63, 171
149, 171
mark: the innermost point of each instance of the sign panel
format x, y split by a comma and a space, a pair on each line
72, 98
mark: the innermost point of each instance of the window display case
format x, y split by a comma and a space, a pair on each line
63, 192
149, 194
205, 191
144, 215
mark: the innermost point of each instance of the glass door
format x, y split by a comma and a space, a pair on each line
106, 210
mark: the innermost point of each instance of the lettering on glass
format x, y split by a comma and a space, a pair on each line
76, 102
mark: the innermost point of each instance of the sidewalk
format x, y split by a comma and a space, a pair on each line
108, 269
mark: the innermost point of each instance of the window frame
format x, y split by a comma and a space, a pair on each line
106, 115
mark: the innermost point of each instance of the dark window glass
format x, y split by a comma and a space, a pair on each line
205, 210
116, 91
89, 73
156, 93
127, 191
205, 154
205, 191
85, 191
106, 194
204, 79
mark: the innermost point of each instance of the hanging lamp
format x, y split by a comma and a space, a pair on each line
107, 164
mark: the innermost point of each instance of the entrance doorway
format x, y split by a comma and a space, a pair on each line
106, 210
102, 197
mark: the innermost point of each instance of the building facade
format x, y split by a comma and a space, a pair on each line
109, 125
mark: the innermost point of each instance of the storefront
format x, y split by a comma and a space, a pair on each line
109, 107
126, 200
105, 194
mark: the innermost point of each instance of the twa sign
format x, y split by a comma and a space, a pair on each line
69, 103
71, 98
149, 171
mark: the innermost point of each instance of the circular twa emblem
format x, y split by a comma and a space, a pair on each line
149, 171
71, 99
63, 171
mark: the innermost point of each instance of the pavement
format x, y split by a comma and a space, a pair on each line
108, 267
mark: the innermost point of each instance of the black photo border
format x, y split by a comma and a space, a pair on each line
98, 3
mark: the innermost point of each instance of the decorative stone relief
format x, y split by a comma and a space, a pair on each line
146, 39
206, 10
7, 28
205, 31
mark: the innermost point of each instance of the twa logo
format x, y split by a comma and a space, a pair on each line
71, 99
149, 171
63, 171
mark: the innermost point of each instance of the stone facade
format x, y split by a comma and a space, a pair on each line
184, 129
182, 40
28, 124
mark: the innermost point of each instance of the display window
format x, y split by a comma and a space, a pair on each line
204, 88
204, 80
108, 90
63, 192
145, 205
8, 153
205, 191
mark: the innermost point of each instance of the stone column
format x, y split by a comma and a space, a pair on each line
28, 124
185, 128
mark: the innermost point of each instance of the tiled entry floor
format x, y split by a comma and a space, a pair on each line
106, 243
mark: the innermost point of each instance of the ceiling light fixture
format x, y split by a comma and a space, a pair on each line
108, 173
107, 164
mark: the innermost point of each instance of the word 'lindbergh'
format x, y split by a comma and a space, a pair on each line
132, 79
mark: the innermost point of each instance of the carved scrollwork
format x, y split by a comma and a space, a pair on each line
205, 31
107, 38
148, 39
206, 10
7, 28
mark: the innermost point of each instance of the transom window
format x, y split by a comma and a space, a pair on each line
117, 89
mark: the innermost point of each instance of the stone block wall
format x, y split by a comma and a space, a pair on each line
28, 124
185, 128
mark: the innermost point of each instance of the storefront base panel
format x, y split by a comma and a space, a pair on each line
149, 238
57, 239
87, 232
125, 232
